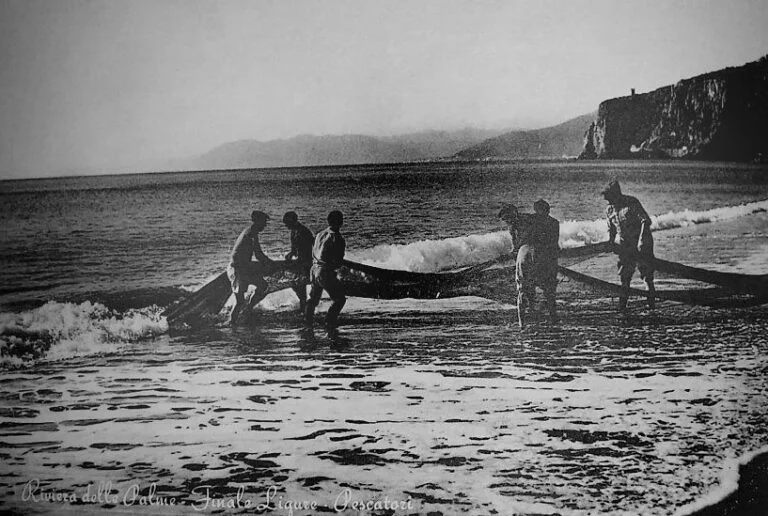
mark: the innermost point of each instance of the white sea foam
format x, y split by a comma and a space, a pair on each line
63, 330
688, 217
729, 483
435, 255
60, 330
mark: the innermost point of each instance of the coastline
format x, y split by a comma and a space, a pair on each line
743, 489
511, 421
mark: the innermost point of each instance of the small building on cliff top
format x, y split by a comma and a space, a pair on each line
718, 116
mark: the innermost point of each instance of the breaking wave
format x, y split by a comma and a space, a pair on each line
58, 330
436, 255
62, 330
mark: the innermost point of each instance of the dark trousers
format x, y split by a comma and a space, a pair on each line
325, 279
629, 260
299, 286
535, 268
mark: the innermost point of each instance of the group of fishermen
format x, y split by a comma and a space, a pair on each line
535, 237
313, 259
535, 241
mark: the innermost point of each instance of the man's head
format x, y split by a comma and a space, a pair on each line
612, 192
259, 219
508, 213
335, 219
541, 207
290, 219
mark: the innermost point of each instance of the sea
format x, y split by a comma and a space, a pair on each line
440, 406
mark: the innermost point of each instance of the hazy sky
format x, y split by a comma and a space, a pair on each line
117, 85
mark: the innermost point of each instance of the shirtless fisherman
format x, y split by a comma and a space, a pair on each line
243, 272
300, 256
327, 256
628, 220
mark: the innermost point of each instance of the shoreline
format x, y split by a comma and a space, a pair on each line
743, 489
456, 421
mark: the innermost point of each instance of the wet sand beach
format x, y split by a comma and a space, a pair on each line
452, 411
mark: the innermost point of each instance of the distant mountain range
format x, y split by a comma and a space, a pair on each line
339, 150
563, 140
692, 119
566, 139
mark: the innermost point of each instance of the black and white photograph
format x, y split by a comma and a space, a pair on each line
384, 257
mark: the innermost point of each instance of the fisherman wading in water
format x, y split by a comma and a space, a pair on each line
535, 240
628, 220
243, 272
300, 256
327, 257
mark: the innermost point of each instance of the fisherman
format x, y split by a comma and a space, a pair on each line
243, 272
628, 220
536, 264
300, 256
327, 257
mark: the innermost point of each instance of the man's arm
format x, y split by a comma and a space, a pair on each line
241, 250
259, 254
294, 251
554, 236
304, 244
611, 227
645, 226
513, 232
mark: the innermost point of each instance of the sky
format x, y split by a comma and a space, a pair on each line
105, 86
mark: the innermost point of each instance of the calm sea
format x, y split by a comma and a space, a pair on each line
440, 402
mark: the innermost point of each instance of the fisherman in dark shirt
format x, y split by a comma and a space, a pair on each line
300, 256
536, 264
243, 272
327, 256
628, 220
535, 241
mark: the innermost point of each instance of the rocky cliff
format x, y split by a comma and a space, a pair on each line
719, 116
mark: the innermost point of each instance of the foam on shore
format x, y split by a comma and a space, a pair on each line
64, 330
61, 330
436, 255
742, 482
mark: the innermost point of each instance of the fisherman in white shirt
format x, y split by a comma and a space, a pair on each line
327, 257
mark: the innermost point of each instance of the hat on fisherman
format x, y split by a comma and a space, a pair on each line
542, 205
259, 216
613, 188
